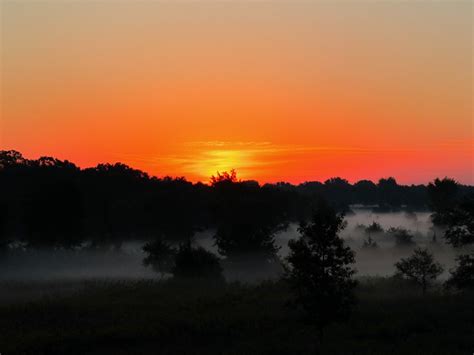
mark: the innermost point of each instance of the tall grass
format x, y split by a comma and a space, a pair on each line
152, 317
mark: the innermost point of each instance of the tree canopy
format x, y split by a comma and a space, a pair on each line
420, 268
320, 269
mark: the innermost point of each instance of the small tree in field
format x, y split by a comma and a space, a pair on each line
462, 277
420, 268
160, 256
369, 243
320, 272
374, 228
197, 264
403, 238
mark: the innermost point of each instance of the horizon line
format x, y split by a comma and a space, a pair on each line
206, 182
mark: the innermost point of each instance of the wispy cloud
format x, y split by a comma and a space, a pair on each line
264, 160
249, 158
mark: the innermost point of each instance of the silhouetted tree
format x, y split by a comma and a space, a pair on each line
420, 268
241, 239
224, 178
176, 209
369, 243
160, 256
365, 192
462, 277
115, 197
460, 223
443, 196
53, 208
247, 217
338, 192
320, 272
11, 158
374, 228
389, 193
460, 233
196, 263
402, 237
314, 190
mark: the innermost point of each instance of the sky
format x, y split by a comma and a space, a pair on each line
278, 90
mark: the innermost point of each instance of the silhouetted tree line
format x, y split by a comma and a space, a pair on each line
52, 203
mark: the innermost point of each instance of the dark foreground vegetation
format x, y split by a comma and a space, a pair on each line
169, 317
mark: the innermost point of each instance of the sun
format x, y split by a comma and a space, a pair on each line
214, 161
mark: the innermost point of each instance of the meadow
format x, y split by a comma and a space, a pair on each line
171, 317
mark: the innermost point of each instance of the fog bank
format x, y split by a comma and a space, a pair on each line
126, 263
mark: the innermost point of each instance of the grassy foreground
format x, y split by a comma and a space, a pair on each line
146, 317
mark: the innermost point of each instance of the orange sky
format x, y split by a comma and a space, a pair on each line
283, 90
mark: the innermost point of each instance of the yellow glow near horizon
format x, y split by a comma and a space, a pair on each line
212, 161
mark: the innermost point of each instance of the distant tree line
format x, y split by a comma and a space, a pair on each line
49, 202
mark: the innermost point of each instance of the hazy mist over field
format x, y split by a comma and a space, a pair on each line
126, 263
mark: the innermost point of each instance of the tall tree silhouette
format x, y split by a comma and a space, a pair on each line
443, 196
320, 272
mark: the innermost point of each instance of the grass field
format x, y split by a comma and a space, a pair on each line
151, 317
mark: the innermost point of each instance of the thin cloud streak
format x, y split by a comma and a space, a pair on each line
265, 161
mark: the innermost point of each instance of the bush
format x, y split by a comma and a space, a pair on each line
160, 256
402, 237
196, 263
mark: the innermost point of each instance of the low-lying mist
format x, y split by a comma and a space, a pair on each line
126, 263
